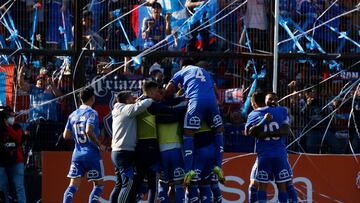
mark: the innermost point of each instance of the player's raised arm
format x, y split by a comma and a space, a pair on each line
170, 89
22, 84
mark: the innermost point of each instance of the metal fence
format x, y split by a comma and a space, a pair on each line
234, 37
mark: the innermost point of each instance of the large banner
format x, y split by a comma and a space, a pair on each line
106, 89
317, 178
6, 84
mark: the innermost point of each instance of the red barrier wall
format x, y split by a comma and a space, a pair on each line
317, 178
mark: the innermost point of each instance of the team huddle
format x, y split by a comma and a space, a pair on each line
168, 143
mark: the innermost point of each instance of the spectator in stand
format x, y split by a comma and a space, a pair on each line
199, 40
256, 20
96, 41
98, 9
115, 34
54, 38
327, 38
93, 41
19, 14
156, 73
307, 13
156, 27
11, 156
42, 116
287, 11
312, 115
338, 137
235, 140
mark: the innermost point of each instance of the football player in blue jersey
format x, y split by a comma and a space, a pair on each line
199, 91
83, 127
271, 100
148, 138
270, 146
200, 189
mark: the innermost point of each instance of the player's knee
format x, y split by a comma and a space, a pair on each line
98, 182
282, 187
75, 182
219, 129
254, 183
190, 131
98, 187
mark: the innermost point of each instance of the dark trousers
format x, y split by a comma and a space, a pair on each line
124, 190
147, 166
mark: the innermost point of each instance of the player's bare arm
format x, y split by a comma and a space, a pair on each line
67, 134
91, 135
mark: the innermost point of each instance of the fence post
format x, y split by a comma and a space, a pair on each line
79, 73
276, 40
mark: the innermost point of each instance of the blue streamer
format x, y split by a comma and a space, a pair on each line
255, 76
62, 30
343, 35
36, 7
248, 98
283, 24
136, 60
314, 45
13, 33
36, 64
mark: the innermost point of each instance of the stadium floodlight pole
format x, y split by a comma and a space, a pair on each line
276, 40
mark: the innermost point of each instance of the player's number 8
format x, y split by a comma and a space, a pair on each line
200, 75
80, 133
271, 127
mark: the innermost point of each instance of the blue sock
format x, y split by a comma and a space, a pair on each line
252, 194
69, 194
96, 193
219, 148
217, 196
261, 195
163, 192
205, 194
193, 194
189, 150
282, 197
292, 195
179, 193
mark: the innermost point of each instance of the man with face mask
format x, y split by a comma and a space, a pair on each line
11, 157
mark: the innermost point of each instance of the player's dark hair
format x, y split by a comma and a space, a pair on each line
123, 96
272, 93
148, 85
258, 97
186, 62
86, 94
156, 5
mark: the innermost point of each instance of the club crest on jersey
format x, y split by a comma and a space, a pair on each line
262, 175
179, 173
195, 121
284, 174
93, 174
